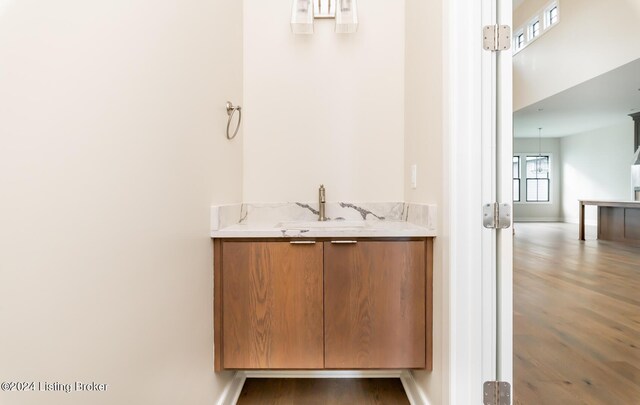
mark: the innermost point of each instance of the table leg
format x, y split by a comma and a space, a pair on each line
581, 222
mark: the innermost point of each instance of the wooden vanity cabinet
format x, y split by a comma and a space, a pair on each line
362, 304
375, 305
272, 305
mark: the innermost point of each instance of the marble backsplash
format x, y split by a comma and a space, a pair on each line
222, 216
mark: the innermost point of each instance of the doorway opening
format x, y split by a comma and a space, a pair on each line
576, 117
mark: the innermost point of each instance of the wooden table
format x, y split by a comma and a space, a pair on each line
617, 220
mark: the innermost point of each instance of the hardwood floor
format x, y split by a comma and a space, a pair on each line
323, 391
576, 318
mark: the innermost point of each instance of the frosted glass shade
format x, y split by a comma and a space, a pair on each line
302, 17
346, 16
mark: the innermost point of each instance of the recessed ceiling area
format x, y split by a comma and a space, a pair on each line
601, 102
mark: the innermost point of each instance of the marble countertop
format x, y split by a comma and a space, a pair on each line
346, 220
368, 229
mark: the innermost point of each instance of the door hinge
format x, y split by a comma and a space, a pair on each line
496, 37
496, 393
496, 216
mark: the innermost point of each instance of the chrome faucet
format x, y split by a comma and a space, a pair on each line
322, 200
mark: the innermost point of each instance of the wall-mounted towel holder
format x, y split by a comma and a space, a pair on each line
231, 110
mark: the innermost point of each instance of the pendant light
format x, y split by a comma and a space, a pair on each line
539, 168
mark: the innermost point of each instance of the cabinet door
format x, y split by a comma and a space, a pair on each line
272, 305
374, 298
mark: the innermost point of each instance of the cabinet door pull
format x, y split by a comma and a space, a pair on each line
344, 242
303, 242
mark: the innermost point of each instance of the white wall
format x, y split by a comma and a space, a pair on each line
112, 149
551, 211
324, 108
592, 37
423, 101
596, 165
423, 116
350, 111
111, 152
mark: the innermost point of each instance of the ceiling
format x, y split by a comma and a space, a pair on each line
601, 102
517, 3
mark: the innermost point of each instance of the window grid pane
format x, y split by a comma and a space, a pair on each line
538, 190
538, 167
543, 190
537, 178
553, 15
516, 178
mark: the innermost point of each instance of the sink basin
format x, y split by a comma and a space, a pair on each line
322, 225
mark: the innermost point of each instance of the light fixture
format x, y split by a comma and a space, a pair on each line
304, 12
302, 17
324, 8
346, 17
539, 167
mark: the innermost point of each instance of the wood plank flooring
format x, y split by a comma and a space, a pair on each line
576, 318
323, 391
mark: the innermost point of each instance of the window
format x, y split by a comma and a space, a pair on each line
537, 178
536, 25
519, 39
551, 15
535, 170
516, 178
534, 30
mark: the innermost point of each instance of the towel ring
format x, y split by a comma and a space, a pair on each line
231, 110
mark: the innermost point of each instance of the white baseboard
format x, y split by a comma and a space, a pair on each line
414, 392
564, 220
233, 389
537, 219
324, 374
588, 222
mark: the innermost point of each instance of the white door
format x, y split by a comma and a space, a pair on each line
497, 153
504, 156
497, 179
480, 155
